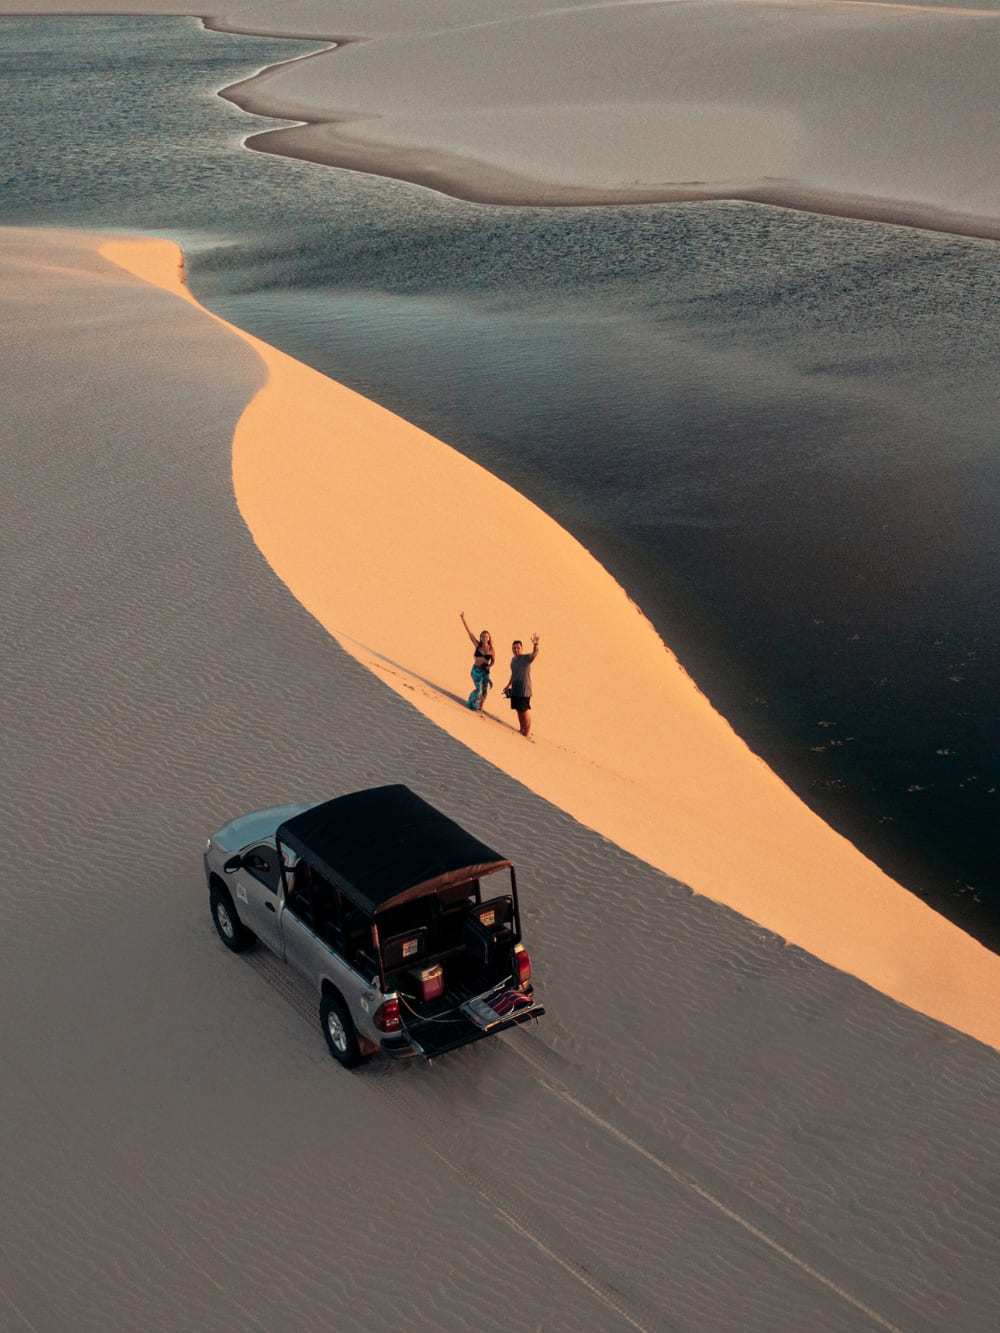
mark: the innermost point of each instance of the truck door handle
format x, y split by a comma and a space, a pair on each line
269, 906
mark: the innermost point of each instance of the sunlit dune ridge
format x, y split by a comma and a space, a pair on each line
385, 534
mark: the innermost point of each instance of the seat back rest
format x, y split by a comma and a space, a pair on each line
479, 940
404, 950
495, 914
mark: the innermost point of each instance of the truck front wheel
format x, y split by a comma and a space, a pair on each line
232, 932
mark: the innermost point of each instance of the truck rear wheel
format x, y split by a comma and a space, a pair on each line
338, 1028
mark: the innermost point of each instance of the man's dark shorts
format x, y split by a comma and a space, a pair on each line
520, 703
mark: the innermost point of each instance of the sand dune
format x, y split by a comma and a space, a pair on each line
712, 1128
373, 525
709, 1128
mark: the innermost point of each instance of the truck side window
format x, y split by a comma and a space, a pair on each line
357, 933
262, 863
326, 913
300, 901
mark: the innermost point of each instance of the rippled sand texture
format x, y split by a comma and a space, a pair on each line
708, 1130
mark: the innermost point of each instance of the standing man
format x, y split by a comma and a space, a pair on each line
518, 688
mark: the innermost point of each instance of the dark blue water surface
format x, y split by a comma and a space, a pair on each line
779, 431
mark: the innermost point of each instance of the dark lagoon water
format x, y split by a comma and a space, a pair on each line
778, 431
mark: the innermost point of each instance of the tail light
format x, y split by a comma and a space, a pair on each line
523, 964
386, 1017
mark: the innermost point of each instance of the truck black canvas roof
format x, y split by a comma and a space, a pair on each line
386, 845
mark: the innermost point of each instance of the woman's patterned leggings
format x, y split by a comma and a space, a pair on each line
481, 677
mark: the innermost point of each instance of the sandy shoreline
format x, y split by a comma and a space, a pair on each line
471, 180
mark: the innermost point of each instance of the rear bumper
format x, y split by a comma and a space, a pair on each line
434, 1037
398, 1048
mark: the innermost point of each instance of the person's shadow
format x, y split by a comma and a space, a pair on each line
461, 699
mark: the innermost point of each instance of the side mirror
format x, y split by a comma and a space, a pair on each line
234, 863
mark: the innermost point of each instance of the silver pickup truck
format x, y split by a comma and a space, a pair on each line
406, 925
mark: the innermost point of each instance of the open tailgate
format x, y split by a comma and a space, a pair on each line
479, 1017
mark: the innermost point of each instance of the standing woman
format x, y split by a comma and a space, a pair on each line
482, 660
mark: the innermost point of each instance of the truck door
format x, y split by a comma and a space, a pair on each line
257, 894
312, 936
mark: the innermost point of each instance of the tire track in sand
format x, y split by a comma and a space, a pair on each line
518, 1210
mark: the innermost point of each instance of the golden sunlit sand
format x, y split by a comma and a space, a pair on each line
386, 534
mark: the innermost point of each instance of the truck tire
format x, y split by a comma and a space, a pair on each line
232, 932
338, 1028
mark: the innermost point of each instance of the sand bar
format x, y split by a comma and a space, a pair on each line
882, 111
374, 525
764, 102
